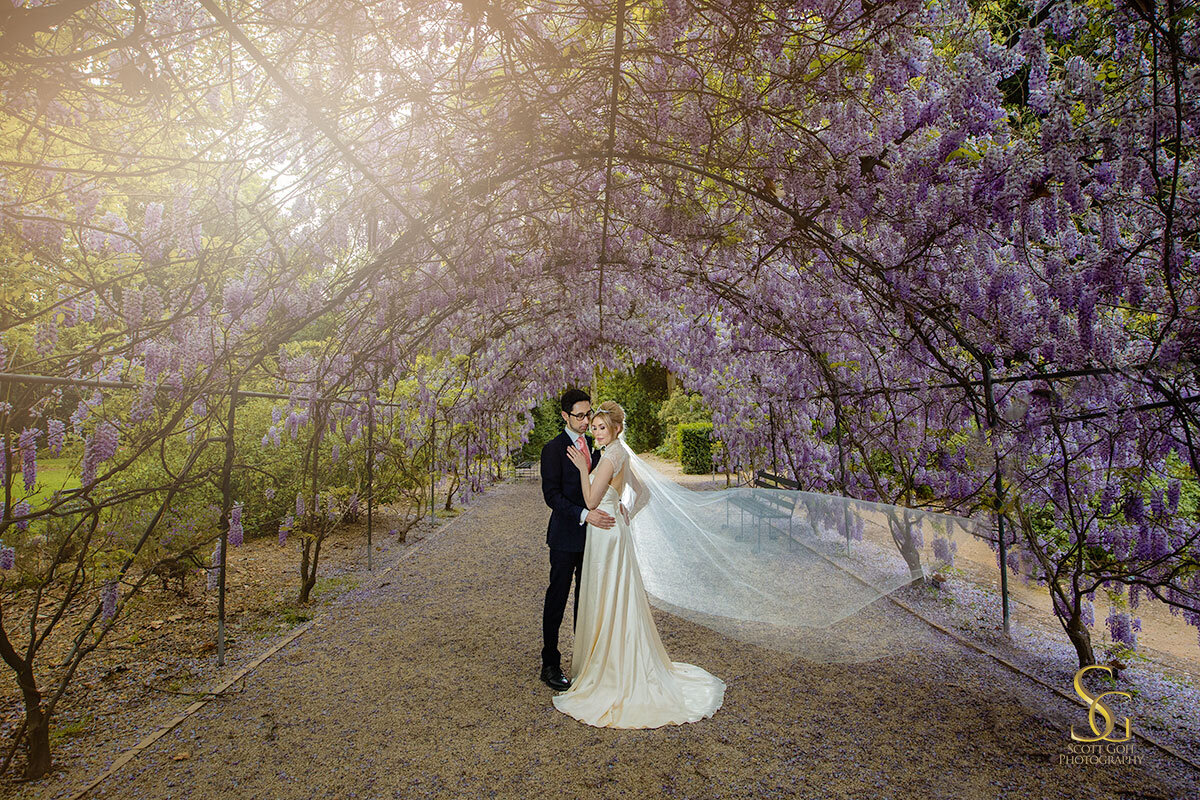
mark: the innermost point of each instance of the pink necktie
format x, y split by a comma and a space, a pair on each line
583, 449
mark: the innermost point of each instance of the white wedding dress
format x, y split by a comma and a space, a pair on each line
623, 675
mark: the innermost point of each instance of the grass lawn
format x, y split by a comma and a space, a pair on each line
53, 474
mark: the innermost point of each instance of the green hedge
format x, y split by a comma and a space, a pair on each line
682, 406
695, 447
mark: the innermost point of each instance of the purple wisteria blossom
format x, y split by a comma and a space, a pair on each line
293, 424
108, 600
27, 444
98, 448
21, 512
236, 533
56, 432
944, 550
1122, 628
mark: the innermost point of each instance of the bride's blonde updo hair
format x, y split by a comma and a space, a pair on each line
613, 414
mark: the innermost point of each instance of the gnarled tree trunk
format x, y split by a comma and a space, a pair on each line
1078, 633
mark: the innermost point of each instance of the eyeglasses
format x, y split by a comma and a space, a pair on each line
581, 417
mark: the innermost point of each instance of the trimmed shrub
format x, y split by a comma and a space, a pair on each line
695, 447
682, 406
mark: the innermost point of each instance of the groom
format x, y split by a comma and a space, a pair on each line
567, 530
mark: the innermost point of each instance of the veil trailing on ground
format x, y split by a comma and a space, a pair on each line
789, 570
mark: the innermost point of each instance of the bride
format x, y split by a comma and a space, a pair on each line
624, 677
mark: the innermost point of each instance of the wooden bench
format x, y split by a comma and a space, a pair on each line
526, 469
769, 480
764, 507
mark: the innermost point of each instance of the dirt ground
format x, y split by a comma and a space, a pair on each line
424, 684
164, 648
1165, 637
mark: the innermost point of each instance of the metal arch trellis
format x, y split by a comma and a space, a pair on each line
318, 119
992, 422
987, 382
609, 147
234, 393
13, 377
321, 122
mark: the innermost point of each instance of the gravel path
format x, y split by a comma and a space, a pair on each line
426, 686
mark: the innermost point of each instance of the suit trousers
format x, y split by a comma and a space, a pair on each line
563, 565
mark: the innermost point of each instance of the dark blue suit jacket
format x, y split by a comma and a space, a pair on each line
564, 495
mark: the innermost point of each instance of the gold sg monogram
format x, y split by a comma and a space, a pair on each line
1095, 704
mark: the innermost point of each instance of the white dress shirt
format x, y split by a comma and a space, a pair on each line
574, 437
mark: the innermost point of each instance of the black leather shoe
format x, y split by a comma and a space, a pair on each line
554, 678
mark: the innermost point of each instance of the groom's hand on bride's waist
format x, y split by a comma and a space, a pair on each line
600, 519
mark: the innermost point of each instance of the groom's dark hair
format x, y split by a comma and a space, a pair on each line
571, 397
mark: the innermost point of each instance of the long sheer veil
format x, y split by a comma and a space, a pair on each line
780, 568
